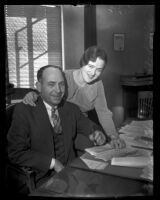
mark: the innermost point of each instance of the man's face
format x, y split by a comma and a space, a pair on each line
52, 86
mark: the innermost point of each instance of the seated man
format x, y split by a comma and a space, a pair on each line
42, 137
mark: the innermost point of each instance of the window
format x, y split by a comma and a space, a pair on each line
33, 34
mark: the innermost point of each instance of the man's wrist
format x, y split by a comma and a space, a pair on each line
52, 163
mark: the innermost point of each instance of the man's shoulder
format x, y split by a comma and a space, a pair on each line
21, 107
70, 106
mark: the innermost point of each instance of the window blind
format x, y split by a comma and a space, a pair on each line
33, 34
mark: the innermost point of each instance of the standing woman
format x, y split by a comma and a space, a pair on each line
87, 91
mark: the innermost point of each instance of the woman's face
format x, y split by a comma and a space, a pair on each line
92, 70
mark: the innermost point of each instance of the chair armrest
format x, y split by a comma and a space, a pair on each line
28, 172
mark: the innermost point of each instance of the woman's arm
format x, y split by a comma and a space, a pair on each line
30, 98
104, 114
105, 117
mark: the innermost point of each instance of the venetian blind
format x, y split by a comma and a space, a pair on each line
33, 34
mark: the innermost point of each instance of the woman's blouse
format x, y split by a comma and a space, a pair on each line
89, 97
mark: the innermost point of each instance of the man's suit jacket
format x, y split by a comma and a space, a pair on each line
30, 138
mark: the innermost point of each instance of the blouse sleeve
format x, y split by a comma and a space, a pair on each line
104, 114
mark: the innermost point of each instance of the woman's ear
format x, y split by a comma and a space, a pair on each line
38, 86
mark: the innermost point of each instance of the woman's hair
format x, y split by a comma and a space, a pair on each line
91, 54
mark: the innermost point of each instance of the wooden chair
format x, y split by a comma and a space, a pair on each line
18, 180
145, 104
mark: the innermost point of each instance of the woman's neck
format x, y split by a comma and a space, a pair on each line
78, 77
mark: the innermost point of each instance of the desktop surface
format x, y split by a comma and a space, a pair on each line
76, 182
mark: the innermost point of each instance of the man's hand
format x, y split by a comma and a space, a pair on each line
30, 98
58, 166
117, 142
98, 137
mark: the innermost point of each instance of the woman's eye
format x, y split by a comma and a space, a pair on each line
91, 66
99, 70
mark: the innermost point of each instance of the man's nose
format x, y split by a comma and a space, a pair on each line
58, 89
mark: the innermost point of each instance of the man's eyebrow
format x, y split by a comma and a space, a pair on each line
51, 81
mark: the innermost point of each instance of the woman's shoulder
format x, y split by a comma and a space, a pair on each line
96, 84
68, 72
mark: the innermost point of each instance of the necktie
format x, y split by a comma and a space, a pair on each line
56, 121
58, 137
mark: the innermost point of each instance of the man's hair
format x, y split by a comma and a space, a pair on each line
91, 54
40, 71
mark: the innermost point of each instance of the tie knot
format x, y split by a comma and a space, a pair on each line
54, 109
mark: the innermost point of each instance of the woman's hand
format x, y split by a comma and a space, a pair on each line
30, 98
117, 142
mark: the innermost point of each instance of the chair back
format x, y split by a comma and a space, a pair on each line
9, 113
145, 104
18, 180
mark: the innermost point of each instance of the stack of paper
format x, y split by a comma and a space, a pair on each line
139, 161
147, 172
107, 154
93, 164
137, 141
138, 133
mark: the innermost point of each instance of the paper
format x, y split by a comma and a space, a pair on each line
98, 149
92, 164
147, 172
138, 128
148, 133
106, 154
146, 124
137, 141
131, 161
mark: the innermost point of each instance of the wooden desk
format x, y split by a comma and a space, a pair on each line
76, 182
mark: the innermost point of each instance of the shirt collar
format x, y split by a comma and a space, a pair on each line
48, 106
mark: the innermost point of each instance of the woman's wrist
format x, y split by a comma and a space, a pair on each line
114, 137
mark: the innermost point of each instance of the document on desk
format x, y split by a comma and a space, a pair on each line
105, 153
147, 171
94, 164
138, 128
140, 161
141, 141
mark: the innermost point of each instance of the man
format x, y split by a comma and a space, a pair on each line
42, 137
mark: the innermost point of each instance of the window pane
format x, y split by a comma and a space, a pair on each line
33, 40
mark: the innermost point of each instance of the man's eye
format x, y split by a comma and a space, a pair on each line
51, 84
62, 84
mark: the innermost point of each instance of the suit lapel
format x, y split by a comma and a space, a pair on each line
66, 128
42, 113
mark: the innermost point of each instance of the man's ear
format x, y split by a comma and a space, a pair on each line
38, 86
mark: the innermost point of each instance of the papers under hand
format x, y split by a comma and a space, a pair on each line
131, 161
105, 153
98, 149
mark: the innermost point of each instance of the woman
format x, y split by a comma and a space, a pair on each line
86, 90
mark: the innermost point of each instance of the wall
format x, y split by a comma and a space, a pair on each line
73, 35
136, 22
